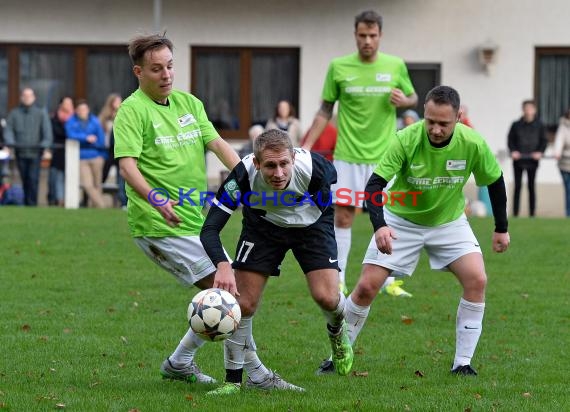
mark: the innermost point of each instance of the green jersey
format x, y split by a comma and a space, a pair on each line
429, 180
366, 118
168, 142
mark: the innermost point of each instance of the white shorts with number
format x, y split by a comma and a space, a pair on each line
351, 182
184, 257
444, 244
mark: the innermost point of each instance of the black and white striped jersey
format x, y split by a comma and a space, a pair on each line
300, 204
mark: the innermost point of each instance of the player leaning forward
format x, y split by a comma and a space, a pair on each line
286, 206
161, 136
434, 157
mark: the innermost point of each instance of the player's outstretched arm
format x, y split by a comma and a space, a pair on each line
383, 234
319, 123
210, 238
498, 197
224, 152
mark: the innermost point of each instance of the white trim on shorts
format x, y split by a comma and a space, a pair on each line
183, 256
351, 178
444, 244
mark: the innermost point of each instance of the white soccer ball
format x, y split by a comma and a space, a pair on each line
214, 314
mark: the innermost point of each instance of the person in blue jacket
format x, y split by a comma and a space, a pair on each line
86, 128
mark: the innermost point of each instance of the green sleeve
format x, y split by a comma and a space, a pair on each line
392, 161
487, 169
330, 88
406, 83
128, 131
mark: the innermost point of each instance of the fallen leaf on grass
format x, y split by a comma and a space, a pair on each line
125, 341
363, 374
60, 405
43, 338
419, 374
26, 327
66, 330
477, 396
134, 410
406, 320
526, 395
524, 295
189, 397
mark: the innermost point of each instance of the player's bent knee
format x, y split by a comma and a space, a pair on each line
326, 301
247, 307
365, 292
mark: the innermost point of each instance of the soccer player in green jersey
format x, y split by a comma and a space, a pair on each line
431, 162
369, 87
161, 136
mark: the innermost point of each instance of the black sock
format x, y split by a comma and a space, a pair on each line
334, 330
234, 375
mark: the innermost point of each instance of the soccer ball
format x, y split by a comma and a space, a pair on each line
214, 314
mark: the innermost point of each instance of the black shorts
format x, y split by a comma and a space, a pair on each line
262, 246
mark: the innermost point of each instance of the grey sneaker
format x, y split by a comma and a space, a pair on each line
273, 381
190, 373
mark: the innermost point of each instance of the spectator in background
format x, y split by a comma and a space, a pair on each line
85, 127
121, 189
562, 154
409, 117
326, 141
526, 142
28, 130
284, 119
253, 132
4, 154
56, 180
106, 118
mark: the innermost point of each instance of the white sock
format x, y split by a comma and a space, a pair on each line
184, 353
236, 345
389, 280
343, 241
355, 318
255, 369
335, 317
468, 330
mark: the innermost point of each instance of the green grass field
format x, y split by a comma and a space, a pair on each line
86, 320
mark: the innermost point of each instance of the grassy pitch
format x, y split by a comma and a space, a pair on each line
86, 320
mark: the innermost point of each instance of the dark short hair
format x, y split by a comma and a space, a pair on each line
528, 101
139, 45
444, 95
273, 139
79, 102
369, 17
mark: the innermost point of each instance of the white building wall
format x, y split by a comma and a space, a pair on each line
422, 31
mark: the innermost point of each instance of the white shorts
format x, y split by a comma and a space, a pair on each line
351, 182
184, 257
444, 244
